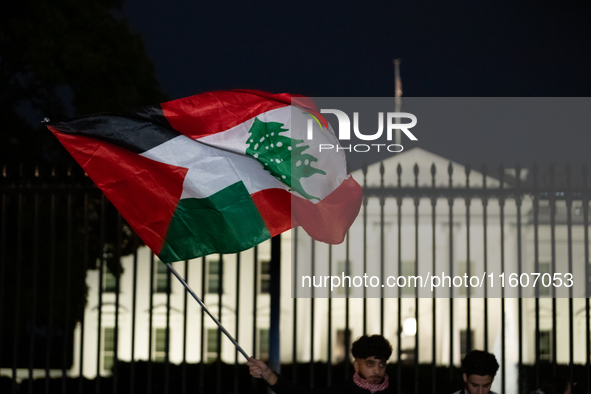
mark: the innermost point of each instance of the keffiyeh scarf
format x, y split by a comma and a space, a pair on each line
372, 387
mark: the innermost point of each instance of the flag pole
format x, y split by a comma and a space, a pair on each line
190, 291
398, 96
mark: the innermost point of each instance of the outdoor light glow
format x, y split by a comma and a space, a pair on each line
409, 327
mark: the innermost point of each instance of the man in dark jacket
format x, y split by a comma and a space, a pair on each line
370, 353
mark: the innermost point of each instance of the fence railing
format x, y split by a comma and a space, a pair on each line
84, 307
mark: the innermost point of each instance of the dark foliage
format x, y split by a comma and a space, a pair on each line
58, 59
55, 224
64, 58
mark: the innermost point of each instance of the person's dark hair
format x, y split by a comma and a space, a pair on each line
555, 385
478, 362
374, 346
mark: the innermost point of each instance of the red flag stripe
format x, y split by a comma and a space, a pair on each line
274, 205
213, 112
324, 221
329, 220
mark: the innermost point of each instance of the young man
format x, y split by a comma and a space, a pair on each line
370, 353
479, 369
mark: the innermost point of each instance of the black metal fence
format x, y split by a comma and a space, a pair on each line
74, 316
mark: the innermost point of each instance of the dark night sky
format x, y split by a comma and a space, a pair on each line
345, 49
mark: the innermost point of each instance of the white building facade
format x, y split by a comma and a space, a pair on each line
245, 312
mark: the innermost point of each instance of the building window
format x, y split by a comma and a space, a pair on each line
545, 345
408, 269
160, 345
265, 277
213, 277
463, 290
408, 336
212, 344
264, 344
161, 278
465, 342
341, 272
343, 343
108, 347
109, 282
544, 269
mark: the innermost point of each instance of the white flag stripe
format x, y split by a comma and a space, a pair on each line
219, 160
234, 139
211, 169
330, 161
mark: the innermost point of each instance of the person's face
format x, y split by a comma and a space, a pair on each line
371, 369
478, 384
569, 389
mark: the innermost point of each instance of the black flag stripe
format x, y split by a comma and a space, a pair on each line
137, 131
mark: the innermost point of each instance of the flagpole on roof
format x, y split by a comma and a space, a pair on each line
196, 297
398, 97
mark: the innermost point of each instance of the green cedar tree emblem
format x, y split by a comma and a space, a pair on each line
276, 152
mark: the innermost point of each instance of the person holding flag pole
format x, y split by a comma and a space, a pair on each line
371, 354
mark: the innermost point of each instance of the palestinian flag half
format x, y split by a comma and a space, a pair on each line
218, 172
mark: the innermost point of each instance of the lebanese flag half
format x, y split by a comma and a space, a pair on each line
217, 172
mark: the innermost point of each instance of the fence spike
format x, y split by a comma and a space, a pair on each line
450, 171
433, 171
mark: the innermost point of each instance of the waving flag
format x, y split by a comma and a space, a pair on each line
218, 172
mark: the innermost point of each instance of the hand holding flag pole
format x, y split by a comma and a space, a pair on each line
196, 297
